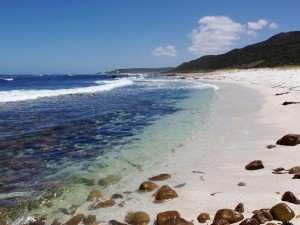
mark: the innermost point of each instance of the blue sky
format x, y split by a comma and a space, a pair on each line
88, 36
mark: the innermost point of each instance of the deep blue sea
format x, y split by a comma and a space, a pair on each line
62, 133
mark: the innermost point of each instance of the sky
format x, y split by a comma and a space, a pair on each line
90, 36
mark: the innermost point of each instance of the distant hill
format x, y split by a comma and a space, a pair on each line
280, 50
139, 70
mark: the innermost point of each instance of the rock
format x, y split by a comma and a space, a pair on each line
109, 180
239, 208
220, 222
166, 217
228, 214
271, 146
203, 217
290, 197
88, 182
295, 169
179, 185
241, 184
75, 220
89, 220
289, 103
137, 218
282, 212
255, 165
160, 177
36, 221
147, 186
165, 193
279, 169
262, 217
104, 204
296, 176
250, 221
93, 195
55, 222
117, 196
289, 140
115, 222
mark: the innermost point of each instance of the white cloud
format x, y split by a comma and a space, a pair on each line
273, 26
260, 24
170, 50
216, 34
219, 34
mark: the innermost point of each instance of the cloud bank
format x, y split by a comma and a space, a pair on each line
218, 34
170, 50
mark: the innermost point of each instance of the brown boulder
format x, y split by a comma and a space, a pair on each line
262, 217
137, 218
290, 197
255, 165
104, 204
117, 196
165, 193
220, 222
295, 169
161, 177
250, 221
239, 208
93, 195
282, 212
289, 140
203, 217
147, 186
296, 176
75, 220
228, 214
166, 217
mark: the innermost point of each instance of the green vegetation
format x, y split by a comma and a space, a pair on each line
280, 50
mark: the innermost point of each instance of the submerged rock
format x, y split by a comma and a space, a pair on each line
89, 220
109, 180
104, 204
282, 212
75, 220
137, 218
289, 140
203, 217
93, 195
160, 177
164, 218
117, 196
290, 197
165, 193
147, 186
228, 214
255, 165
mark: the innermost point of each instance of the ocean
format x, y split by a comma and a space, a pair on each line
62, 136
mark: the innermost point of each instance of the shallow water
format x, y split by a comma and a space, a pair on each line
56, 149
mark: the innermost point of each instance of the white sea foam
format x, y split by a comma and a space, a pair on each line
23, 95
7, 79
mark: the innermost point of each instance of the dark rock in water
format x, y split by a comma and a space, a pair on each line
37, 221
203, 217
282, 212
228, 214
295, 169
117, 196
89, 220
11, 213
88, 182
296, 176
56, 190
290, 197
279, 169
104, 204
271, 146
75, 220
250, 221
147, 186
241, 184
239, 208
167, 217
289, 140
55, 222
137, 218
289, 103
220, 222
165, 193
109, 180
255, 165
160, 177
93, 195
115, 222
